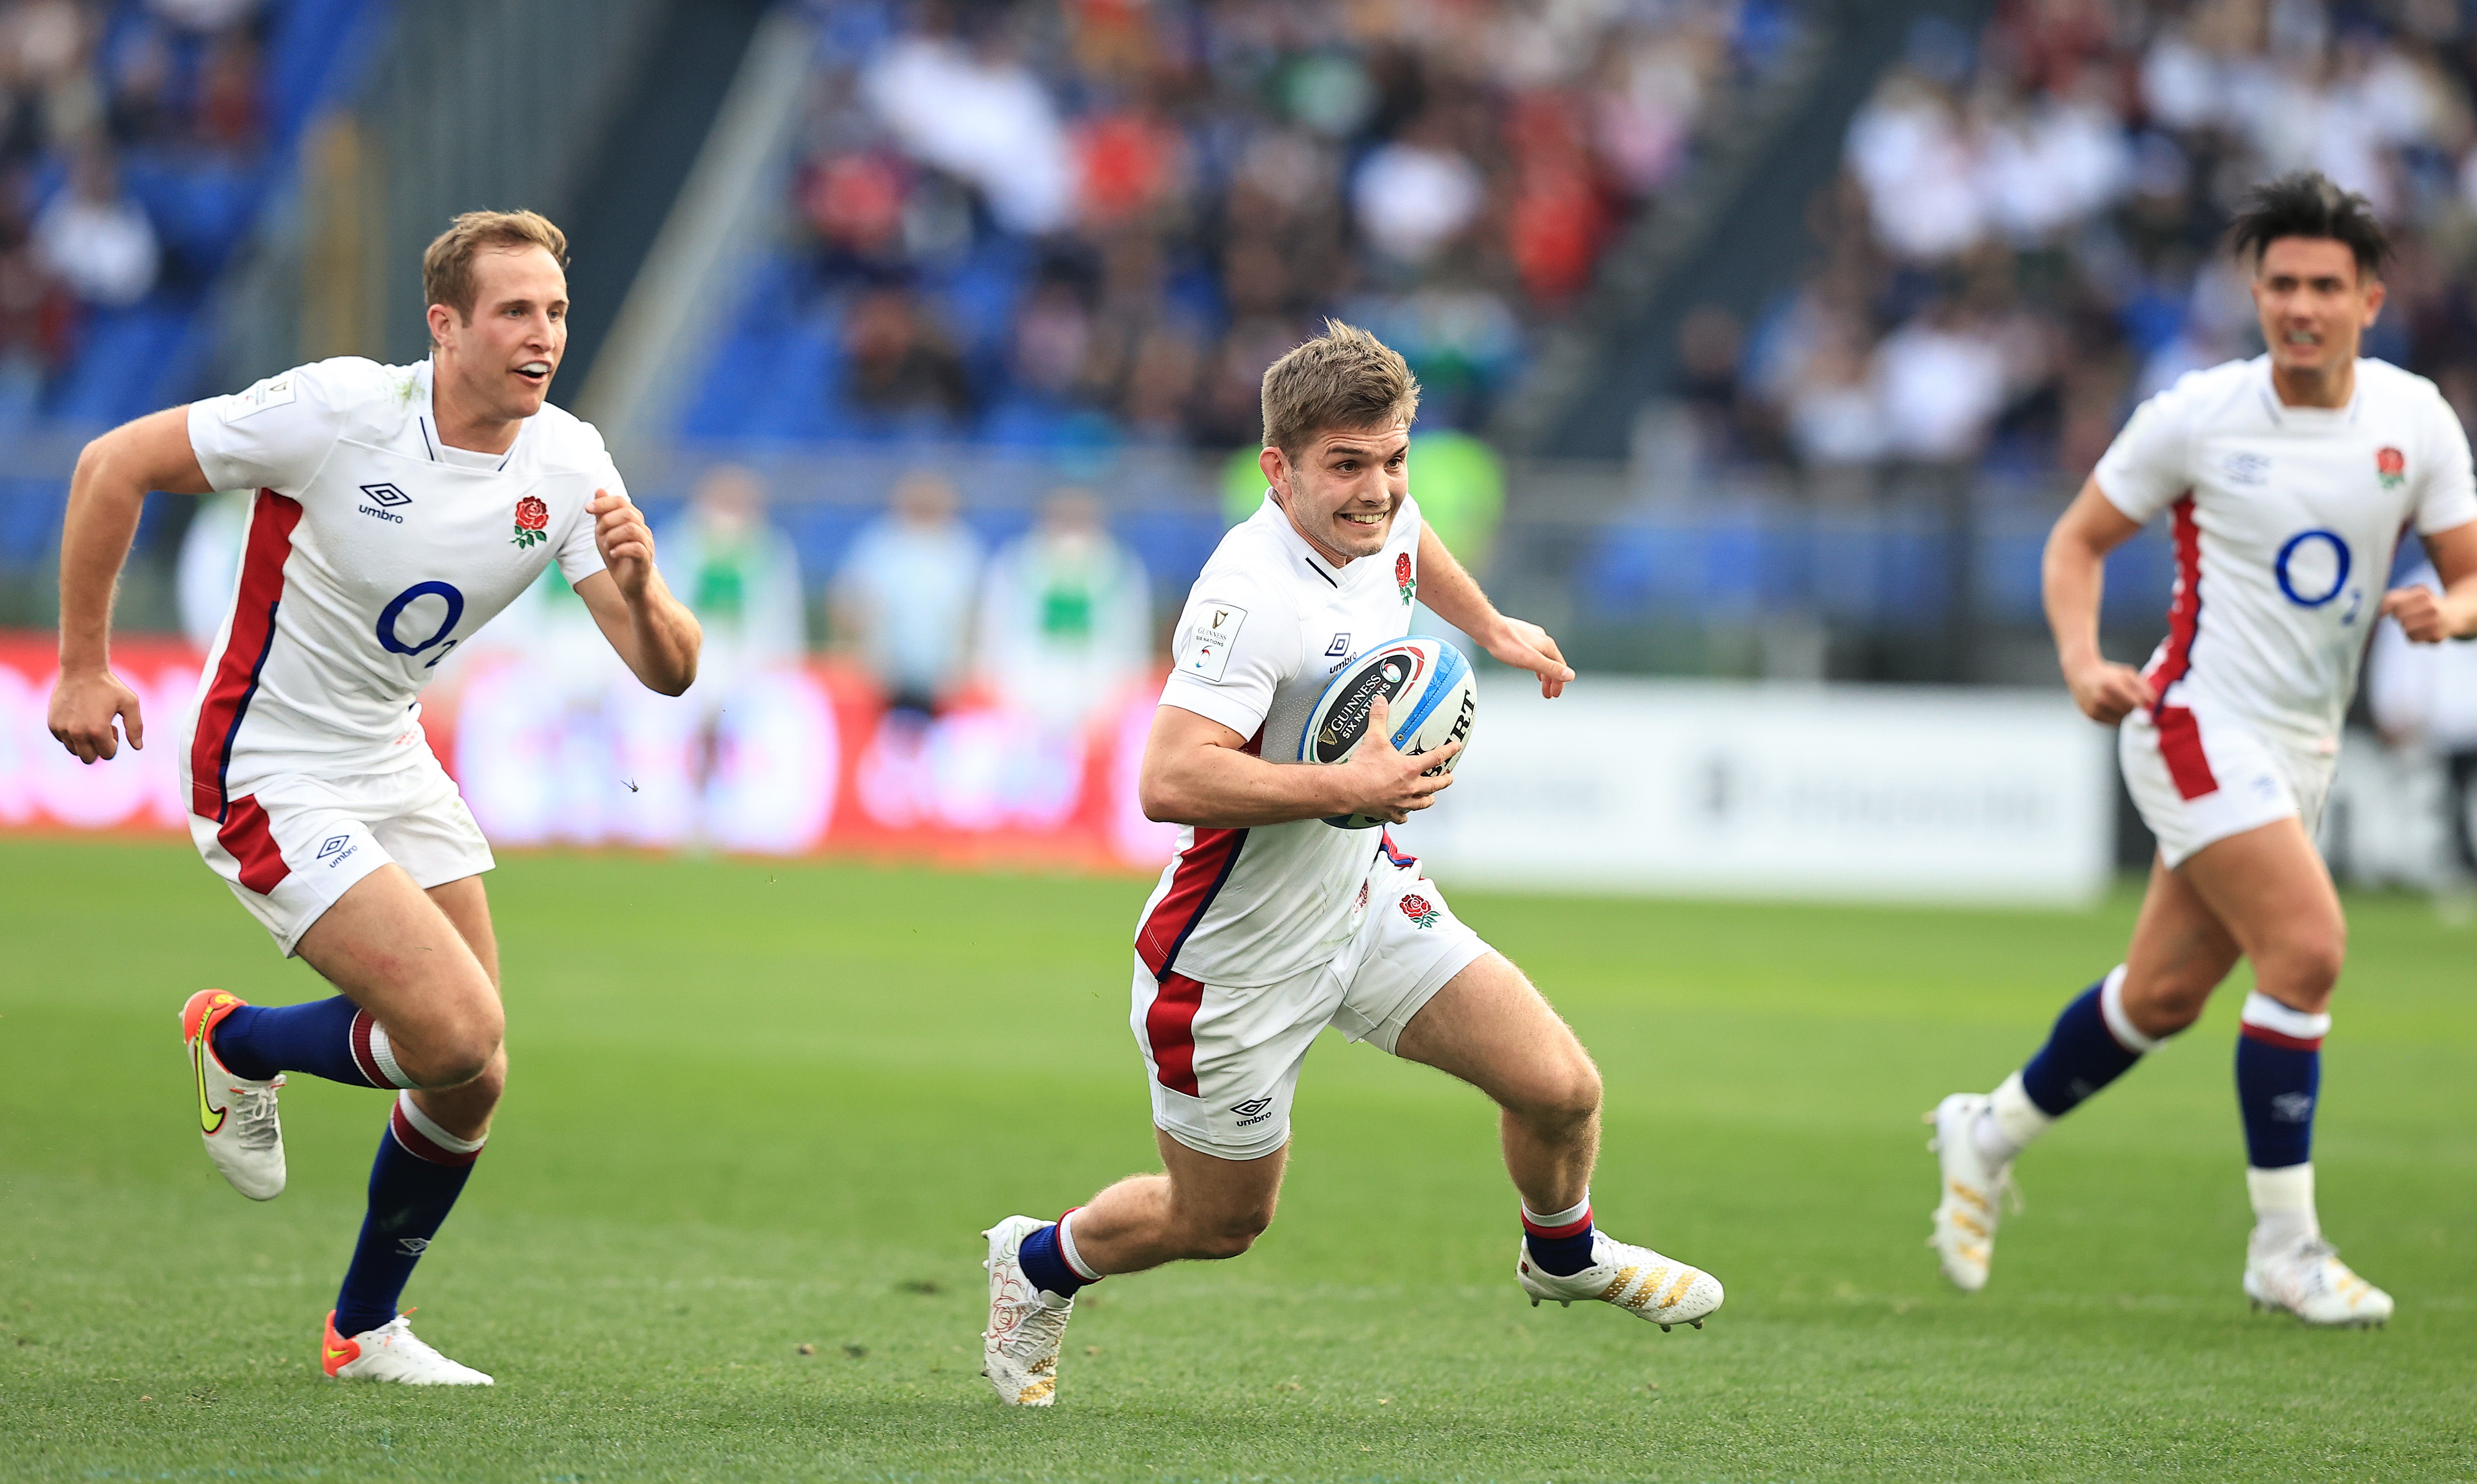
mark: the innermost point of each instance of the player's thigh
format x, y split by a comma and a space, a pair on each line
386, 944
2180, 952
2270, 888
1489, 1028
467, 905
1222, 1197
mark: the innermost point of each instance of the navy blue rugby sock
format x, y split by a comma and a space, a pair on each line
1559, 1243
1045, 1260
2279, 1080
420, 1170
333, 1039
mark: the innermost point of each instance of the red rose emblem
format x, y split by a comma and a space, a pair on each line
1415, 906
2390, 461
532, 515
1402, 566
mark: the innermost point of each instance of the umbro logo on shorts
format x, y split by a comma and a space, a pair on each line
1251, 1111
333, 844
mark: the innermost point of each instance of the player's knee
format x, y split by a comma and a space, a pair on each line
1230, 1235
2305, 966
463, 1048
1562, 1096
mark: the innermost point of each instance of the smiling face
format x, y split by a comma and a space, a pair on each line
2315, 303
498, 361
1342, 490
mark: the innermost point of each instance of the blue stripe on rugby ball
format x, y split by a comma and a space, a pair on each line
1450, 666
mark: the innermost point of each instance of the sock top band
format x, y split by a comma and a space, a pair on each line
2265, 1019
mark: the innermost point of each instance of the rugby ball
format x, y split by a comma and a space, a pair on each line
1431, 696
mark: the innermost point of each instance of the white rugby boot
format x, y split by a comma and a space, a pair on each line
1019, 1349
1635, 1279
1964, 1238
392, 1353
236, 1116
2307, 1279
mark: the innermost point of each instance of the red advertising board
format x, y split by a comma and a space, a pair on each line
771, 761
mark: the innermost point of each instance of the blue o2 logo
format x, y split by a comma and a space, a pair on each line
388, 615
2312, 568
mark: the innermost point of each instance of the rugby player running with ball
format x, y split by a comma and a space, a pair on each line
2289, 479
398, 508
1270, 924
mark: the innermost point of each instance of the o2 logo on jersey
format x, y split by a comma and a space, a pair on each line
2312, 570
390, 640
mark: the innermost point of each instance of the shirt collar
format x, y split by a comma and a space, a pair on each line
1289, 536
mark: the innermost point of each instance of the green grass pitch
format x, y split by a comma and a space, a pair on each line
760, 1106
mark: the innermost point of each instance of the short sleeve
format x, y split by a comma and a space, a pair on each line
579, 558
277, 435
2446, 489
1234, 646
2146, 469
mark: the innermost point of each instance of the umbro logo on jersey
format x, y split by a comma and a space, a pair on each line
2246, 469
382, 498
1339, 646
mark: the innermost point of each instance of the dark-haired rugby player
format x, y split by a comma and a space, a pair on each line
2289, 479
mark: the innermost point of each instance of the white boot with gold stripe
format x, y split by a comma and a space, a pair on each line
1635, 1279
2305, 1278
1965, 1216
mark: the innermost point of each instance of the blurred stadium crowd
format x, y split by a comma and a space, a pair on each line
130, 138
2026, 238
1097, 221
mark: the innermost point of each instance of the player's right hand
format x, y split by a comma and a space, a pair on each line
2108, 693
1390, 784
83, 708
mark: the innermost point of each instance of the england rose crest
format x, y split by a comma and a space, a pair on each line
2391, 465
1402, 577
1419, 909
531, 515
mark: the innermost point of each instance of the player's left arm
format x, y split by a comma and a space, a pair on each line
653, 630
2427, 617
1453, 595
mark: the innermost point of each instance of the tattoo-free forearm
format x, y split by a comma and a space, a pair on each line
1449, 590
102, 520
1221, 788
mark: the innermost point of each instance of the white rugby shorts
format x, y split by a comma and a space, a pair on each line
1224, 1062
2201, 773
294, 844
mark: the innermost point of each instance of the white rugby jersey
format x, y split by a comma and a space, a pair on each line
2286, 522
373, 549
1265, 625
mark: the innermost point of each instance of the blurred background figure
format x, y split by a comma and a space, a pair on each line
741, 578
903, 601
2424, 704
1065, 620
739, 574
209, 564
98, 238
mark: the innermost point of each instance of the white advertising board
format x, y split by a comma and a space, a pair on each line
1859, 792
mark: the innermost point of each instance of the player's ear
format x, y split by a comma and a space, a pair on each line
2374, 295
1276, 473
